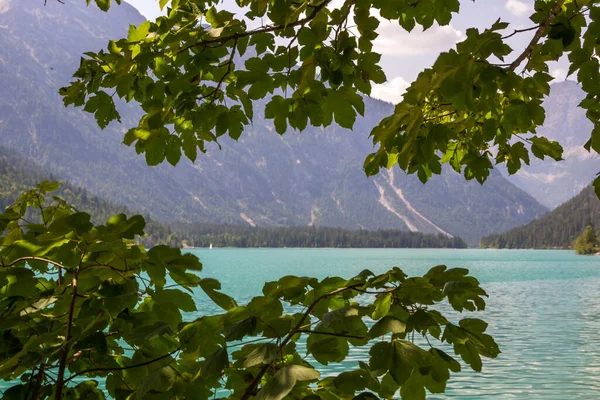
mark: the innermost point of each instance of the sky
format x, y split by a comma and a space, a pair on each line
405, 54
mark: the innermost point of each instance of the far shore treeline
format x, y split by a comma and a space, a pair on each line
203, 235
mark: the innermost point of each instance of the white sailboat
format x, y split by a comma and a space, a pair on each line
210, 246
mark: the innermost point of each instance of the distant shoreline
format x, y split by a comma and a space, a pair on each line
368, 248
332, 248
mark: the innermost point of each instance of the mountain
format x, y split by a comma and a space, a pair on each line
18, 175
552, 183
556, 229
314, 178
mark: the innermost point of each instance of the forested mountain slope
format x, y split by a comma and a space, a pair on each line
314, 178
18, 175
556, 229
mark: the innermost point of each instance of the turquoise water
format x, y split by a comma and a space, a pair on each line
543, 310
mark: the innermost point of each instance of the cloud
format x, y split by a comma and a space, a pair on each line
4, 6
559, 74
394, 40
149, 9
391, 91
518, 8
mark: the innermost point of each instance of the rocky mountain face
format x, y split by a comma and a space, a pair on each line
550, 182
309, 178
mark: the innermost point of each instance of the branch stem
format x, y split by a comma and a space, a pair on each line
266, 29
60, 381
538, 35
252, 387
107, 369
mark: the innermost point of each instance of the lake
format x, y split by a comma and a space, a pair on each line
543, 309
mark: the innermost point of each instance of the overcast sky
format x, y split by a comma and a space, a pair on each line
405, 54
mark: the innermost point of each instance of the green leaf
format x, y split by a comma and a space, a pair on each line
414, 387
387, 325
381, 357
541, 147
382, 305
350, 382
284, 380
263, 354
79, 223
406, 357
215, 364
239, 330
365, 396
326, 349
103, 108
202, 337
139, 33
159, 380
176, 297
210, 287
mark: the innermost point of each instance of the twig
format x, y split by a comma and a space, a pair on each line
217, 88
331, 334
108, 369
18, 260
516, 31
60, 383
265, 29
252, 387
538, 35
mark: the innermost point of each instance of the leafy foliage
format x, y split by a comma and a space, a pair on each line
587, 242
557, 229
184, 69
83, 303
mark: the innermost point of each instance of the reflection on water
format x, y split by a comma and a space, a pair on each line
549, 334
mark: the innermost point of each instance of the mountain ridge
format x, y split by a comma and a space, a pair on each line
314, 178
557, 229
552, 183
18, 175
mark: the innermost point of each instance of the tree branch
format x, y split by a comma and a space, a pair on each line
18, 260
60, 383
538, 35
341, 335
108, 369
216, 90
265, 29
252, 388
516, 31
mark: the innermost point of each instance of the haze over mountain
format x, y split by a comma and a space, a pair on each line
313, 178
552, 183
